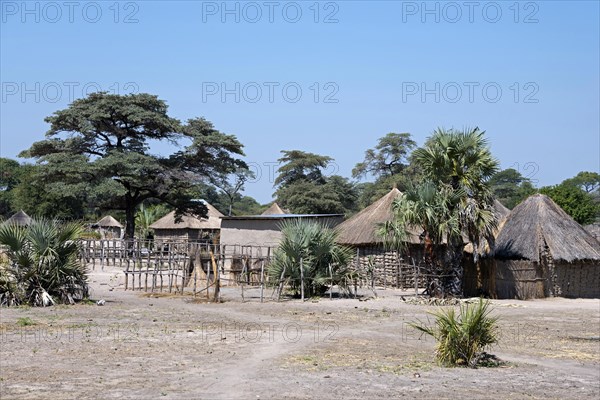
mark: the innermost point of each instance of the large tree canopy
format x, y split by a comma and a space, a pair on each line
576, 202
101, 145
389, 157
303, 187
510, 187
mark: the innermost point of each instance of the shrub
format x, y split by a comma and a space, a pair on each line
312, 246
461, 339
41, 265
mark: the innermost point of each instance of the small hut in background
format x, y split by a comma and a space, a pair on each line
541, 251
190, 228
360, 233
20, 218
274, 209
109, 228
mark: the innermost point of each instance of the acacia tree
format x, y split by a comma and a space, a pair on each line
101, 144
303, 187
389, 157
510, 187
390, 164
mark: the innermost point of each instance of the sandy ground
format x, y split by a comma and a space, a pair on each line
147, 347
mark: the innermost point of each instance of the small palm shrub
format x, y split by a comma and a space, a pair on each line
461, 339
40, 266
312, 246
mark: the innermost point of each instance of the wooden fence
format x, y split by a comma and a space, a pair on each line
203, 269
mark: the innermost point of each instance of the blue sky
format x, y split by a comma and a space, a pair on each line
325, 77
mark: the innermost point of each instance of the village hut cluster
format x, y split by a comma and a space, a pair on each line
539, 251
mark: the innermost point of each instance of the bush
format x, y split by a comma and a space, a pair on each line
462, 339
41, 265
312, 246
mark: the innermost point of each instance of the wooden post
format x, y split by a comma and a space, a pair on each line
242, 277
217, 293
262, 279
384, 272
416, 279
127, 274
331, 278
281, 283
301, 280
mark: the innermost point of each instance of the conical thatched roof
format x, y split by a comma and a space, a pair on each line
20, 218
361, 229
213, 221
500, 210
539, 222
274, 209
109, 222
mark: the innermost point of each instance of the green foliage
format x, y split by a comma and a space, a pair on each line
100, 145
461, 339
369, 192
575, 201
301, 166
313, 246
42, 266
303, 188
510, 187
388, 158
454, 200
585, 180
461, 159
146, 216
25, 321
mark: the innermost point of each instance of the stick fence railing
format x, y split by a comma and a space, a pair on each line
202, 269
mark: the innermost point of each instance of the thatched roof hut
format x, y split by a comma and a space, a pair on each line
361, 229
190, 227
274, 209
109, 222
541, 251
20, 218
539, 222
360, 232
109, 228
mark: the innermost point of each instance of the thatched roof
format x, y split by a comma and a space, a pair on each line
539, 222
213, 221
500, 210
361, 229
274, 209
20, 218
109, 222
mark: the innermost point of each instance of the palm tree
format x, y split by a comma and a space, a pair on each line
455, 201
310, 247
431, 208
146, 216
41, 266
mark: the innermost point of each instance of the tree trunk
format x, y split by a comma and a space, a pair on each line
129, 218
453, 271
